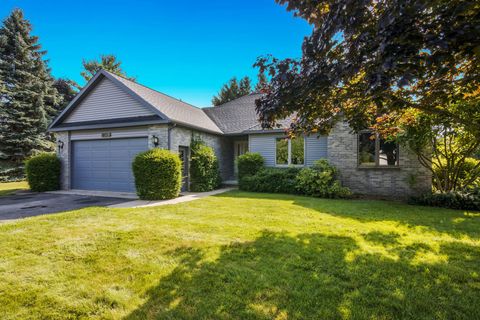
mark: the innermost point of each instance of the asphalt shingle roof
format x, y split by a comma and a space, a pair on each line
235, 116
176, 110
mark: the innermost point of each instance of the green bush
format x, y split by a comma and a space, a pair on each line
249, 164
158, 174
453, 200
274, 180
321, 181
465, 173
204, 173
43, 172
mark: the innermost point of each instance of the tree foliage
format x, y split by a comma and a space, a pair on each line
232, 90
374, 61
108, 62
444, 146
67, 89
28, 99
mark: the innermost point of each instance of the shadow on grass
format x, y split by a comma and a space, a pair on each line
456, 223
312, 276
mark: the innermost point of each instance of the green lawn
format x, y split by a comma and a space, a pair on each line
11, 187
244, 256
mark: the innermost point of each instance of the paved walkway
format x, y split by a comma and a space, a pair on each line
186, 197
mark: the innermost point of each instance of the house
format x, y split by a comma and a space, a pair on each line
112, 119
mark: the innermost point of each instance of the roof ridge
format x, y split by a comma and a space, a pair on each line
142, 85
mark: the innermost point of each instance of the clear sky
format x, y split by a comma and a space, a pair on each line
186, 49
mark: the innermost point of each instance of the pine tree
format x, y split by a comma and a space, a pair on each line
245, 86
67, 90
233, 90
27, 97
107, 62
262, 83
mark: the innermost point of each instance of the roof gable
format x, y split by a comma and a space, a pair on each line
176, 110
105, 101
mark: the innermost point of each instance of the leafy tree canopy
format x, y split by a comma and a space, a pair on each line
108, 62
377, 63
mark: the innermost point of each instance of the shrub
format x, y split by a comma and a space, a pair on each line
204, 173
158, 174
453, 200
249, 164
466, 171
43, 172
274, 180
321, 181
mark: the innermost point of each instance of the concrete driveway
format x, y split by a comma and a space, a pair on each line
28, 204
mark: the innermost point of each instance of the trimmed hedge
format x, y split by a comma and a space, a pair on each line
318, 181
204, 173
452, 200
321, 181
43, 172
158, 174
249, 164
274, 180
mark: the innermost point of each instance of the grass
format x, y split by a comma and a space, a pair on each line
244, 256
7, 188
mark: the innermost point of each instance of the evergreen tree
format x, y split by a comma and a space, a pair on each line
67, 89
233, 90
108, 62
245, 86
27, 96
262, 82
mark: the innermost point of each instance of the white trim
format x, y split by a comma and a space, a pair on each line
289, 156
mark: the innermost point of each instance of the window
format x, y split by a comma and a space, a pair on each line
290, 151
376, 152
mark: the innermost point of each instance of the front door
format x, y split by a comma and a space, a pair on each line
183, 153
240, 147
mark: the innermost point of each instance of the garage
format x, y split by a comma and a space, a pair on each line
105, 165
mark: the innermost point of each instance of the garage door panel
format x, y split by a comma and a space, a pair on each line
105, 164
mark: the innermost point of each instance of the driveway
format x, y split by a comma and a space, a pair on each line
28, 204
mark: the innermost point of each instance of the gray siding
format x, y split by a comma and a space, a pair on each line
265, 145
107, 101
315, 148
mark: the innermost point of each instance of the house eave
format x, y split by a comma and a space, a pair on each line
73, 126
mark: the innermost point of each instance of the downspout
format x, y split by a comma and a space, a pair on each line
169, 135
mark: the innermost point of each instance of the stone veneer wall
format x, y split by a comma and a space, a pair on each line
181, 136
64, 155
408, 179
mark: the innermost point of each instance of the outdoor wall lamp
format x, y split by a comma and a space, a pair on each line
155, 141
60, 144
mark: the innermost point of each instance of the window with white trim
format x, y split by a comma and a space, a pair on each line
290, 151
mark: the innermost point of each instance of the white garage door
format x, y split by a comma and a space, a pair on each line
105, 164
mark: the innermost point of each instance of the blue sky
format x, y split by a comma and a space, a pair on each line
186, 49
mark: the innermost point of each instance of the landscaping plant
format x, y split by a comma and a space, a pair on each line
158, 174
204, 172
273, 180
249, 164
43, 172
321, 181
